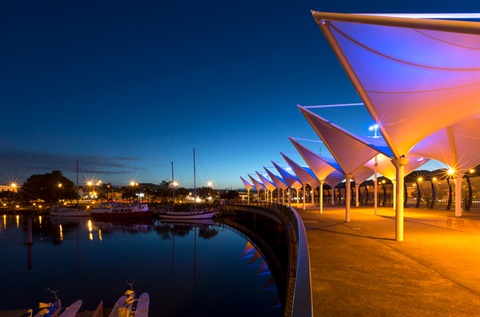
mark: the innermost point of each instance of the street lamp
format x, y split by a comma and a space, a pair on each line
174, 184
14, 189
60, 189
210, 189
133, 184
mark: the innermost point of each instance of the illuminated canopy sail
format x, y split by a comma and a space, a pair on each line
350, 152
305, 175
320, 167
457, 146
247, 185
415, 76
291, 180
258, 185
267, 183
279, 182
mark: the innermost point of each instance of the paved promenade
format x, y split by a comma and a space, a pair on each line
358, 269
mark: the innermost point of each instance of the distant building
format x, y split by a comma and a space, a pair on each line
8, 188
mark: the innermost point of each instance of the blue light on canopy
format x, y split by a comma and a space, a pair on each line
279, 182
247, 185
291, 180
301, 172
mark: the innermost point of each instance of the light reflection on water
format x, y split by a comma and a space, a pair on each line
188, 270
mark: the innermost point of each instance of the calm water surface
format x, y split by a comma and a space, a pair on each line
188, 269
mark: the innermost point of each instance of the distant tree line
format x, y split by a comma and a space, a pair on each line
54, 187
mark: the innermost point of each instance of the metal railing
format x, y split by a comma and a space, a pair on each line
298, 302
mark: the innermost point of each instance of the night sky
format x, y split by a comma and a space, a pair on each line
127, 87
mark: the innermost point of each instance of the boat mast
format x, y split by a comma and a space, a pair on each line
194, 179
78, 194
173, 189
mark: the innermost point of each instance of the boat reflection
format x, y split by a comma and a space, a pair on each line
131, 226
213, 265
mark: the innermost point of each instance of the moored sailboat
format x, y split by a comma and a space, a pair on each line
117, 210
193, 213
62, 211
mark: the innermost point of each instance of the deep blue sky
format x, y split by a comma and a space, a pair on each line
127, 87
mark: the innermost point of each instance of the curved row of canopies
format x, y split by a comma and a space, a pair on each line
419, 79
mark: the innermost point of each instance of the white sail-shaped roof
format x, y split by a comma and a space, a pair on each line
319, 167
388, 170
415, 76
457, 146
334, 178
349, 151
258, 185
266, 182
362, 174
291, 180
247, 185
305, 176
279, 182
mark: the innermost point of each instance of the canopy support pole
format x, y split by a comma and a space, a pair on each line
399, 211
348, 194
304, 195
458, 197
375, 186
333, 196
357, 203
320, 196
313, 195
394, 190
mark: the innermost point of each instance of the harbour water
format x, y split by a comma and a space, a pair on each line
189, 269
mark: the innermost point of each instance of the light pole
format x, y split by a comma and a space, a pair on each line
14, 189
210, 189
133, 184
60, 190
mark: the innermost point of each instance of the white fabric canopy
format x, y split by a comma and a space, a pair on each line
362, 174
247, 185
458, 145
267, 183
258, 185
388, 170
334, 178
301, 172
415, 76
279, 182
319, 167
290, 179
349, 151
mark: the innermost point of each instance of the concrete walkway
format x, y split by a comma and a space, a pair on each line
358, 269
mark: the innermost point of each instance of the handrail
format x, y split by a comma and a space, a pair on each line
301, 290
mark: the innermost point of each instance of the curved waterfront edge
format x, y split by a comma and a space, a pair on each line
299, 300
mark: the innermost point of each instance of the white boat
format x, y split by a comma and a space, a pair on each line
194, 213
72, 310
129, 306
117, 210
61, 211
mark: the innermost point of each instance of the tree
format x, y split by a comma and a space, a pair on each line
50, 187
229, 194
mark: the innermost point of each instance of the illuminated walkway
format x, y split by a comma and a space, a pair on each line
358, 269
